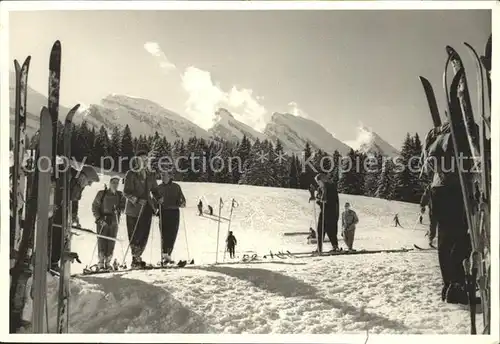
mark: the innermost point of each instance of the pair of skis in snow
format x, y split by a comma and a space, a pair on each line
470, 140
94, 270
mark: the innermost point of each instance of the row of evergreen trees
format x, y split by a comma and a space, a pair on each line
261, 163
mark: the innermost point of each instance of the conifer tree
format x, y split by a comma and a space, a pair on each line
127, 148
386, 186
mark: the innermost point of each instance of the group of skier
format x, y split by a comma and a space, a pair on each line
141, 199
327, 197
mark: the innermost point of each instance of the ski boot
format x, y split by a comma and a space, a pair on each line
116, 266
137, 263
165, 259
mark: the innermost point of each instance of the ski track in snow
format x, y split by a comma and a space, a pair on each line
382, 293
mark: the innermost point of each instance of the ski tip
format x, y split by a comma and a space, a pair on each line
44, 110
72, 112
27, 61
17, 66
56, 45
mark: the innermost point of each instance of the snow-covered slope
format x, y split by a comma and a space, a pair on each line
369, 141
228, 128
379, 293
295, 131
143, 116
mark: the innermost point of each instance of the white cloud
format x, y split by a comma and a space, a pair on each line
205, 97
293, 108
154, 49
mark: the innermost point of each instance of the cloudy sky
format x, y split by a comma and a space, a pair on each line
342, 69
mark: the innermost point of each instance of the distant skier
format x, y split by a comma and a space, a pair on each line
396, 221
80, 179
426, 201
421, 217
200, 208
139, 208
107, 207
210, 210
231, 244
328, 200
170, 199
349, 221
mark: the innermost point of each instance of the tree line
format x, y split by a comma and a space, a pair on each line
261, 163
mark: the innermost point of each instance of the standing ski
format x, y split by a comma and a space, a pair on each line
41, 244
18, 175
54, 86
67, 256
431, 100
462, 125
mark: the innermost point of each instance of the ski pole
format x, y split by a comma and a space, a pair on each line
233, 202
218, 231
160, 225
118, 225
185, 233
95, 246
133, 233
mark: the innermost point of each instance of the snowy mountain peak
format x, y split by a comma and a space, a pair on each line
368, 141
295, 132
222, 113
143, 116
227, 127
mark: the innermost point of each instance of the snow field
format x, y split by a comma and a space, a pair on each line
391, 293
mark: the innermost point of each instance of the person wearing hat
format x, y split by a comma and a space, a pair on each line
107, 207
139, 206
170, 198
349, 221
80, 179
328, 200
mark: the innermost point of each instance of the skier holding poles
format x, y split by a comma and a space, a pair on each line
328, 199
139, 207
170, 198
107, 207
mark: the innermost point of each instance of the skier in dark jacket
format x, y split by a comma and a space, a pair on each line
448, 212
328, 200
107, 207
139, 206
231, 244
210, 210
80, 179
170, 199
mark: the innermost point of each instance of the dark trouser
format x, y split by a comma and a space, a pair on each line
231, 250
106, 247
331, 229
453, 240
200, 210
169, 227
349, 237
138, 229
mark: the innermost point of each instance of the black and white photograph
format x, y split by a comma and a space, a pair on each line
255, 170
